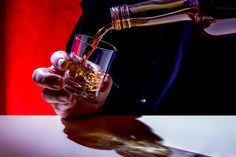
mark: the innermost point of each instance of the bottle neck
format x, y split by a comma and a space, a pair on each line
215, 17
120, 16
147, 12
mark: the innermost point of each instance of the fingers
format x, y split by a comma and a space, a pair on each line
68, 105
52, 77
60, 100
60, 96
45, 78
60, 60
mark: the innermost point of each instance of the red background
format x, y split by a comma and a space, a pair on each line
33, 30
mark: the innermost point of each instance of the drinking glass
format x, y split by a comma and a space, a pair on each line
85, 78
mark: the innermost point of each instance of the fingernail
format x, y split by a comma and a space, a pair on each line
107, 78
62, 64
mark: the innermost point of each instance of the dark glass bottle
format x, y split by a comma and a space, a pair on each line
214, 17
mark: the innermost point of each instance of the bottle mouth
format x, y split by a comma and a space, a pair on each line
120, 17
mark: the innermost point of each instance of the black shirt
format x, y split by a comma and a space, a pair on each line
166, 69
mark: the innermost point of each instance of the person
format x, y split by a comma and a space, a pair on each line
165, 69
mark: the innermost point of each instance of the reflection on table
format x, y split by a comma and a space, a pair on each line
113, 136
126, 135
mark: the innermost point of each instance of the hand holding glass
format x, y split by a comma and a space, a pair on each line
85, 77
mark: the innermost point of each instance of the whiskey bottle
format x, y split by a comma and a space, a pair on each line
214, 17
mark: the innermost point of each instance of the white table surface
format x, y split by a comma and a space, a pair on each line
45, 136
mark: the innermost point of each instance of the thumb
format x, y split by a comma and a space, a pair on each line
60, 60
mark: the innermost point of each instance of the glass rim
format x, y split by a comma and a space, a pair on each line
113, 48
